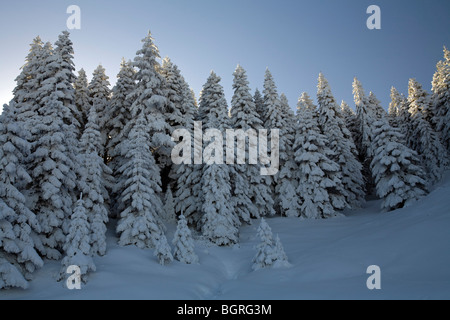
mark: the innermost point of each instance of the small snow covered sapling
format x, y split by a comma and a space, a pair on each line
270, 251
77, 246
184, 243
280, 254
163, 251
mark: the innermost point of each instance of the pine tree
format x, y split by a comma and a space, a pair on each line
119, 116
175, 86
55, 132
169, 214
18, 225
77, 245
318, 175
423, 138
95, 177
249, 190
82, 99
366, 115
398, 176
441, 99
64, 76
100, 96
349, 117
276, 119
259, 104
182, 117
404, 119
187, 176
120, 106
265, 255
184, 243
376, 106
53, 175
281, 256
341, 143
140, 205
287, 200
394, 108
150, 97
270, 252
25, 92
163, 251
219, 221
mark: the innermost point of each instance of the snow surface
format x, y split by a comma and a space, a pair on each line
329, 260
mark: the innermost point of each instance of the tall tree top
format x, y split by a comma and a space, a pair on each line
305, 102
213, 109
243, 108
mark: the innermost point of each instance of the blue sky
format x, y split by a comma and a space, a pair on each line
295, 39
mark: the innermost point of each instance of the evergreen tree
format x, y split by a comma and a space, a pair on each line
55, 130
349, 117
184, 243
27, 83
18, 225
77, 246
318, 175
119, 116
259, 104
150, 97
270, 252
404, 119
398, 176
366, 115
375, 105
94, 178
281, 256
219, 221
441, 99
163, 251
140, 205
53, 175
249, 188
275, 119
120, 106
100, 96
63, 79
175, 86
422, 136
169, 207
182, 117
82, 99
287, 200
305, 102
394, 108
341, 143
187, 176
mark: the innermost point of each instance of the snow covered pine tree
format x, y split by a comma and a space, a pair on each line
270, 252
340, 141
95, 178
249, 192
219, 221
318, 175
77, 246
18, 225
184, 243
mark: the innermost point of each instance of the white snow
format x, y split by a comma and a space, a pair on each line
329, 260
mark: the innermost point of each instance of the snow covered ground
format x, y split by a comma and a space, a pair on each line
329, 261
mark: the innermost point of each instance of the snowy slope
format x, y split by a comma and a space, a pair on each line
329, 261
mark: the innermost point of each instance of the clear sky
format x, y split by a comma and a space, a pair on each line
296, 39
